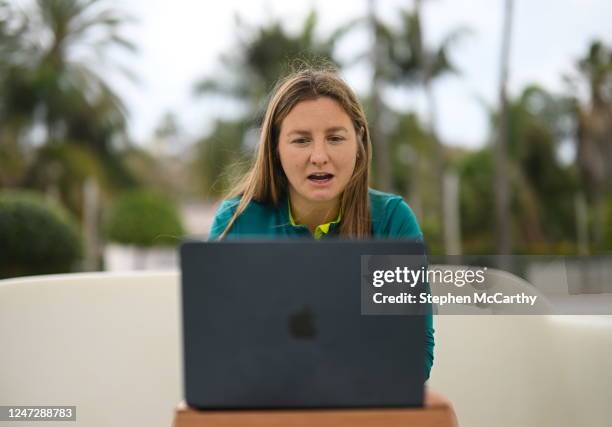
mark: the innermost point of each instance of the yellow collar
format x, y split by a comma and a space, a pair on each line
321, 229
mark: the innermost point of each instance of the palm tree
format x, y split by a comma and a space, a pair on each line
61, 84
63, 81
414, 63
594, 131
55, 80
12, 121
78, 102
543, 198
263, 55
541, 211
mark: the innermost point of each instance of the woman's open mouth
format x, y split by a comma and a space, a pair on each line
320, 178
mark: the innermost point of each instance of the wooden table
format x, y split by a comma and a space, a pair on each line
437, 412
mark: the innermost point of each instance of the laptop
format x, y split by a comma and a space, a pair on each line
279, 324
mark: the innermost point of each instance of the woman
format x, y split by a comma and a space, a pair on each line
311, 172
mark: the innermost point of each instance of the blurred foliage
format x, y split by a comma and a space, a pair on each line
594, 132
52, 80
62, 170
222, 157
12, 164
144, 219
408, 60
264, 54
412, 152
476, 202
48, 78
61, 124
167, 174
36, 236
542, 188
405, 151
608, 224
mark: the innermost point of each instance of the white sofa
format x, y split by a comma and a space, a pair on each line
110, 344
107, 343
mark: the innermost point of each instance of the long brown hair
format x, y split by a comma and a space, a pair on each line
266, 181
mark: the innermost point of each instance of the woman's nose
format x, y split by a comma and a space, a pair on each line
319, 153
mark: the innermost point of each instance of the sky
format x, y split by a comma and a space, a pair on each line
180, 43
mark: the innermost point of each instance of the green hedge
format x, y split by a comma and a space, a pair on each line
144, 219
36, 236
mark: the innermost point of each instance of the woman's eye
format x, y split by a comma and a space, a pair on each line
336, 139
299, 141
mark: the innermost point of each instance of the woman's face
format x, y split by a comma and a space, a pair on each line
318, 150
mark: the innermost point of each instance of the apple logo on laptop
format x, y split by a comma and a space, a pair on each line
302, 325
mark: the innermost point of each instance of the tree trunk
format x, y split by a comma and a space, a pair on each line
415, 198
502, 190
379, 142
91, 199
440, 157
582, 224
452, 225
440, 165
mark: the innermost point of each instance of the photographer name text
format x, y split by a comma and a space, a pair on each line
476, 298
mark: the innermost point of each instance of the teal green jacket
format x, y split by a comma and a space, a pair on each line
391, 218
